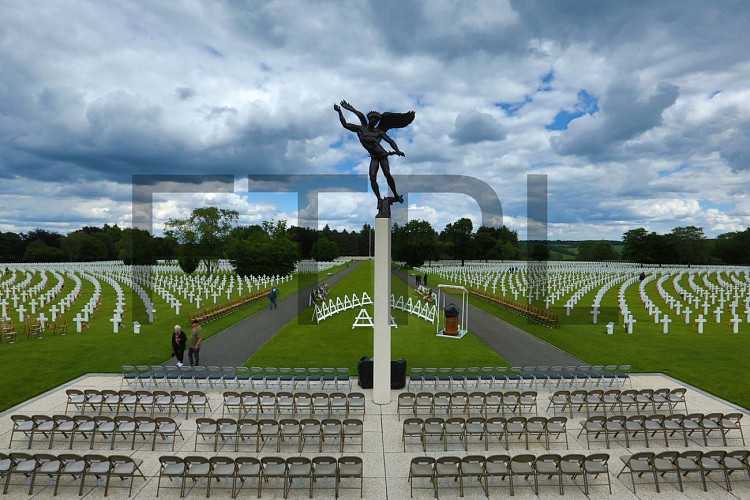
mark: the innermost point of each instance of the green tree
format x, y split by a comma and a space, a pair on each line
539, 251
596, 251
205, 231
137, 247
324, 250
82, 247
269, 251
459, 238
415, 243
733, 248
39, 251
690, 245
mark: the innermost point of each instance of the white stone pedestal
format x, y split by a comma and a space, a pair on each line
381, 383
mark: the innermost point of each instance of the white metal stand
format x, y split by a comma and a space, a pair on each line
463, 325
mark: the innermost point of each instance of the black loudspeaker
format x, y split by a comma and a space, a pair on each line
398, 373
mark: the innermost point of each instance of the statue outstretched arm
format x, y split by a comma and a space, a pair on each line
349, 126
359, 114
393, 144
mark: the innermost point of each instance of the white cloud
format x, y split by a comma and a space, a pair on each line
208, 88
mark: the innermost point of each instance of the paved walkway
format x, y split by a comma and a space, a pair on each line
235, 345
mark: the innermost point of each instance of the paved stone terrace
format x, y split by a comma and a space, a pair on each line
386, 466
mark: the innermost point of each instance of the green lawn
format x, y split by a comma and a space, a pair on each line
334, 343
32, 366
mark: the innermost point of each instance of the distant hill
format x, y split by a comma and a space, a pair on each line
565, 249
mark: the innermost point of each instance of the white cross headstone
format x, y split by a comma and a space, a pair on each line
214, 295
735, 324
687, 315
150, 311
33, 306
21, 310
116, 323
79, 320
718, 312
657, 312
747, 313
678, 307
665, 321
4, 306
705, 308
53, 311
568, 307
43, 321
198, 302
630, 321
700, 322
595, 313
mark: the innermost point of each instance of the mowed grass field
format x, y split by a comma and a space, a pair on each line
715, 361
333, 342
32, 366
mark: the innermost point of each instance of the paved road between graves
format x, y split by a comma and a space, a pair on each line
517, 347
235, 345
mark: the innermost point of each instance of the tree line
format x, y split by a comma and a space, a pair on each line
211, 233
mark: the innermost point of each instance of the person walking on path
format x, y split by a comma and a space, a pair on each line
419, 280
424, 280
273, 296
194, 344
179, 339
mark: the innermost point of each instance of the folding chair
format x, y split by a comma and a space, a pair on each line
548, 465
450, 468
298, 468
98, 466
247, 468
640, 464
324, 468
247, 429
352, 429
422, 468
272, 468
523, 465
172, 468
72, 466
196, 468
497, 466
221, 468
413, 428
289, 430
595, 465
124, 468
350, 468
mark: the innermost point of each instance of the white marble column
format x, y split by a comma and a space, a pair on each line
381, 393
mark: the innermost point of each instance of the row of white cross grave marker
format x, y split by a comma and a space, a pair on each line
427, 311
572, 282
43, 302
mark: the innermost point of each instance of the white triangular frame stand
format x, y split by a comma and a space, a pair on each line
381, 383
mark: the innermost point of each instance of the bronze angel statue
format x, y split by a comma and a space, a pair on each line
371, 131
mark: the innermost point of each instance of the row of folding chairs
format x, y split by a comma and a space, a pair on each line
540, 429
490, 377
293, 403
658, 465
265, 472
59, 469
286, 431
648, 427
464, 403
126, 401
257, 378
617, 401
477, 471
90, 428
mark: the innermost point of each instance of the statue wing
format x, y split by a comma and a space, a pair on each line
395, 120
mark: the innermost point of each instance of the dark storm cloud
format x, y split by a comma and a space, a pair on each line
624, 115
474, 126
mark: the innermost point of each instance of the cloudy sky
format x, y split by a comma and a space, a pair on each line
637, 112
